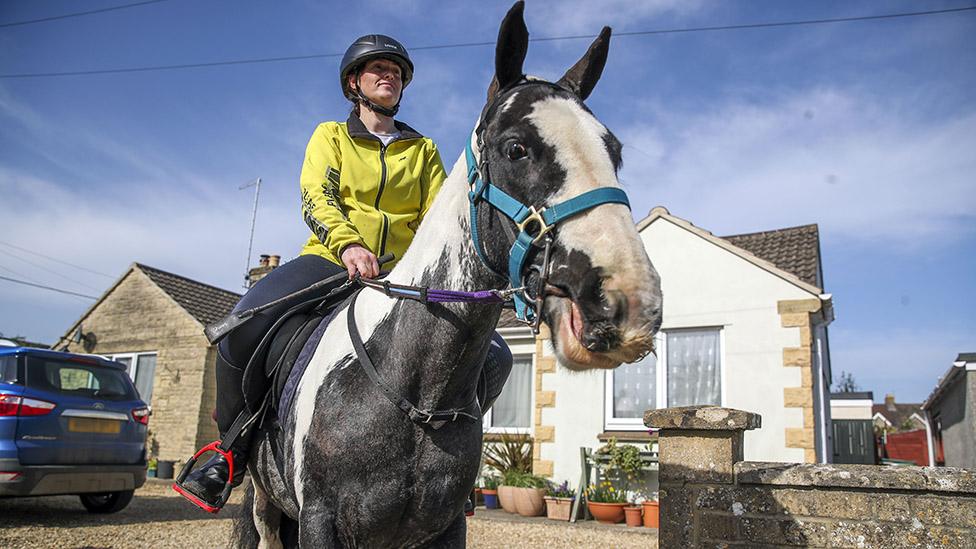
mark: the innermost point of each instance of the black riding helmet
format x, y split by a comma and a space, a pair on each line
368, 47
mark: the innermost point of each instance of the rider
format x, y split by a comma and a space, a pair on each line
358, 206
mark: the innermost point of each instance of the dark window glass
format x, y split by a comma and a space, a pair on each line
8, 369
75, 378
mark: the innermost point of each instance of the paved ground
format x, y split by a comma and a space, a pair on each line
158, 518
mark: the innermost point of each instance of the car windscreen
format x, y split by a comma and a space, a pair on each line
80, 379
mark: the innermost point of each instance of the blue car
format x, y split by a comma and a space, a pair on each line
70, 424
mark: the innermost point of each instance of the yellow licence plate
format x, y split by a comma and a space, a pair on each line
87, 425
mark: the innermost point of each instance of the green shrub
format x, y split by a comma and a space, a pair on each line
490, 482
519, 479
625, 458
512, 453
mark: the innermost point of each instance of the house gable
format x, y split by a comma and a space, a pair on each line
768, 318
705, 279
800, 253
150, 311
205, 303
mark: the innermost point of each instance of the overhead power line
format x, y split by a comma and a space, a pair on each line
78, 14
59, 290
476, 44
56, 260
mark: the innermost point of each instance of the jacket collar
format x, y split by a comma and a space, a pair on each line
357, 129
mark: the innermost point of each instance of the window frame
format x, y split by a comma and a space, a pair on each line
519, 351
611, 423
132, 367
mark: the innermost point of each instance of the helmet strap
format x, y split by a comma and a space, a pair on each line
391, 111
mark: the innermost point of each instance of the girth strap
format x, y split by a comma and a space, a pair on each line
435, 418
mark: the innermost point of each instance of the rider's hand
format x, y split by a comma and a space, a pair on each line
358, 259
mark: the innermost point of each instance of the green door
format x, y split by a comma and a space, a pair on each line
854, 441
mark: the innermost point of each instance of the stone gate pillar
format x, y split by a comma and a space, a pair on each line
697, 445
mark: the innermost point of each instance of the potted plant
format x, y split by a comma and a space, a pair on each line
489, 491
632, 515
151, 468
651, 512
511, 456
559, 501
528, 493
505, 498
605, 502
623, 457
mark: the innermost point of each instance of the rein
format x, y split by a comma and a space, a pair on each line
435, 418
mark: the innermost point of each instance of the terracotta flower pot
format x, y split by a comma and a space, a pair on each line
607, 513
529, 502
651, 516
506, 499
491, 498
559, 508
632, 515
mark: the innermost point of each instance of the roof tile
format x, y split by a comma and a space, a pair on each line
204, 302
796, 250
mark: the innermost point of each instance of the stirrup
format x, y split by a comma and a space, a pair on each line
188, 467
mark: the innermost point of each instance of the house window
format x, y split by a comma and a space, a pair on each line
142, 369
512, 411
686, 371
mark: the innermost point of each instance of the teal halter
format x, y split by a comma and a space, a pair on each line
525, 218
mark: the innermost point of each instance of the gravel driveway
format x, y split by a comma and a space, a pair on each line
159, 518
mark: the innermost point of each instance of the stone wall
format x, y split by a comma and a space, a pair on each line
710, 497
137, 316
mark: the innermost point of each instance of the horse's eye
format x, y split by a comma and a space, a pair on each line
515, 151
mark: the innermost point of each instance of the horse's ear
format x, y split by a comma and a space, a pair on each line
583, 76
513, 43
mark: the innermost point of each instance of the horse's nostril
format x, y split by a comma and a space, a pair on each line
601, 337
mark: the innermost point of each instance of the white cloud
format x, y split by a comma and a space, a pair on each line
188, 234
862, 167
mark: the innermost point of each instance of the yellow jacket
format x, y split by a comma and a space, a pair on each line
355, 190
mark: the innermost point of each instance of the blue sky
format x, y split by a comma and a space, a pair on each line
866, 128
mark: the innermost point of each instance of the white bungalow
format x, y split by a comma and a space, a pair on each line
745, 326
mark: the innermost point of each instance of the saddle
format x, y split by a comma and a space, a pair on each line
290, 342
280, 359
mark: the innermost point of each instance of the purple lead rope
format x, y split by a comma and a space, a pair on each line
451, 296
430, 295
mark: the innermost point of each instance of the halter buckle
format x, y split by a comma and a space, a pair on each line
536, 217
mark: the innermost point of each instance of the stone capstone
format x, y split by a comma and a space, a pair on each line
702, 418
928, 479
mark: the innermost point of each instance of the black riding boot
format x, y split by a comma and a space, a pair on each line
209, 485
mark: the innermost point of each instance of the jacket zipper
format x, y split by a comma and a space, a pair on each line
379, 193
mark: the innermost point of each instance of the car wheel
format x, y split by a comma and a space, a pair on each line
106, 502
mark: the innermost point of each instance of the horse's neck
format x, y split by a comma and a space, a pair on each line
442, 254
451, 337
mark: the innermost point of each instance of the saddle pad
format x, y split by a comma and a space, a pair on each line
287, 392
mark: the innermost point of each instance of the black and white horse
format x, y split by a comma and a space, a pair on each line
345, 468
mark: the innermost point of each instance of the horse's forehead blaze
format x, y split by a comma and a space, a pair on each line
583, 147
579, 143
